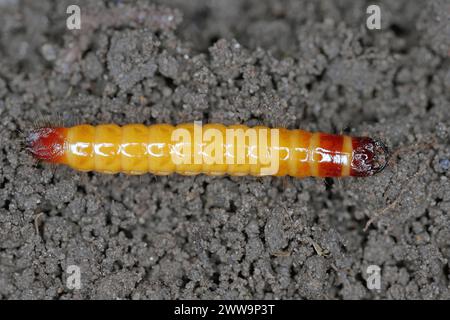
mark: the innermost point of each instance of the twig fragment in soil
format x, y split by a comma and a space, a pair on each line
319, 250
37, 222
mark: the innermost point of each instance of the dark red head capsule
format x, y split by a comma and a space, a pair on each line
47, 144
369, 157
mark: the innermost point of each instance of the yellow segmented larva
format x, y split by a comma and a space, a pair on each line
212, 149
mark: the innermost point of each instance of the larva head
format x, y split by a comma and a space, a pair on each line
47, 143
369, 157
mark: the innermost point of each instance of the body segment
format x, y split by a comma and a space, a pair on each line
212, 149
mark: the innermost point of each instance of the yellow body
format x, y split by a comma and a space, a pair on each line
139, 149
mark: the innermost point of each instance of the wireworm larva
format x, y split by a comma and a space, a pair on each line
212, 149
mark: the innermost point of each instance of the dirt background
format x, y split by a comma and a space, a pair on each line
297, 64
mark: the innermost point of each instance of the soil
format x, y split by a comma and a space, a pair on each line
297, 64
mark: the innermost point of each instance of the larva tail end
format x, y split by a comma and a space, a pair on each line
47, 144
370, 156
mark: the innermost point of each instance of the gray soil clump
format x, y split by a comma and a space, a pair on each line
297, 64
